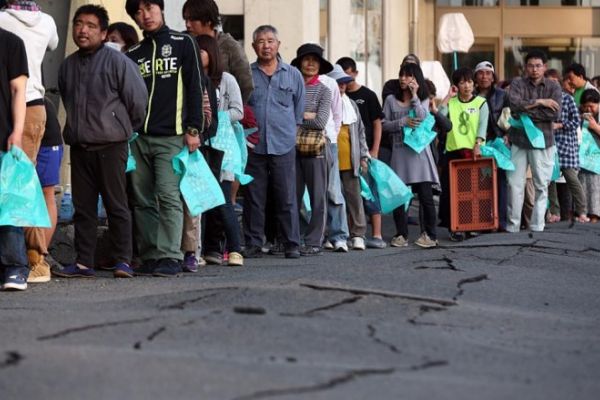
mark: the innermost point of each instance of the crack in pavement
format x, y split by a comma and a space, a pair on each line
449, 265
429, 364
151, 337
474, 279
182, 304
310, 313
390, 295
373, 336
84, 328
424, 309
318, 387
13, 358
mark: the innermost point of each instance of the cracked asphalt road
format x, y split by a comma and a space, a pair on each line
496, 317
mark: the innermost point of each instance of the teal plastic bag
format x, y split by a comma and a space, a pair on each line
534, 134
365, 190
21, 198
131, 165
240, 136
420, 137
499, 152
589, 152
226, 141
556, 168
198, 185
393, 193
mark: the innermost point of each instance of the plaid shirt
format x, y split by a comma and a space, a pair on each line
566, 137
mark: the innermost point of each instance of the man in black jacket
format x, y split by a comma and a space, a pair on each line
105, 99
168, 62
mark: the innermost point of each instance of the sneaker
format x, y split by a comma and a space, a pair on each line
146, 269
74, 271
376, 243
235, 259
292, 252
425, 241
15, 278
358, 243
398, 241
39, 273
307, 251
190, 262
253, 252
123, 270
201, 262
340, 246
213, 258
266, 247
166, 268
328, 245
277, 249
456, 236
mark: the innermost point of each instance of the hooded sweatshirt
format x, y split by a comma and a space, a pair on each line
38, 31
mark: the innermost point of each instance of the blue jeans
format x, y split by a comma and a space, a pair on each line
13, 254
337, 222
221, 224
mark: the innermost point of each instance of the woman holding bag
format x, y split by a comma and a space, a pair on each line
311, 161
590, 105
415, 169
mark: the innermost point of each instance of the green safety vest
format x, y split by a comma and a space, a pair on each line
465, 123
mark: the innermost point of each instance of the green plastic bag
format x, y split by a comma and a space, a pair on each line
534, 134
131, 165
499, 152
393, 193
226, 141
198, 185
556, 167
589, 152
365, 190
240, 136
420, 137
21, 198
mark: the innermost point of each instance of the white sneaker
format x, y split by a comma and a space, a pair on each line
340, 246
398, 241
425, 241
358, 243
328, 245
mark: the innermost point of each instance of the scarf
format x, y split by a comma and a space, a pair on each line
348, 113
24, 5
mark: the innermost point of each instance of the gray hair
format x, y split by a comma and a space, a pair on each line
265, 29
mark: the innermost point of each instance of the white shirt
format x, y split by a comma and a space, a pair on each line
332, 129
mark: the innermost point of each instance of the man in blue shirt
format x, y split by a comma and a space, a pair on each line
278, 103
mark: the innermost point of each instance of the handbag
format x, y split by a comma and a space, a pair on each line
310, 142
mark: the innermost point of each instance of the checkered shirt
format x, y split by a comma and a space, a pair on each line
566, 137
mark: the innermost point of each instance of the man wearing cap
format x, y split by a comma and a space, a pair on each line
485, 86
278, 103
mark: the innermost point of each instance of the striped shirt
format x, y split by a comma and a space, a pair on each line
318, 101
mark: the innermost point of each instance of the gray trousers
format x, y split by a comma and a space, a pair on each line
311, 172
572, 177
354, 204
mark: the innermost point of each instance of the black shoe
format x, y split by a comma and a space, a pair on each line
277, 249
167, 267
146, 269
253, 252
457, 236
292, 253
311, 251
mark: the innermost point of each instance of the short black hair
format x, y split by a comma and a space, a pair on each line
552, 73
536, 54
205, 11
431, 87
127, 32
347, 63
93, 9
590, 96
132, 6
462, 74
576, 69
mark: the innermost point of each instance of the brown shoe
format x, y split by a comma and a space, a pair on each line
39, 268
235, 259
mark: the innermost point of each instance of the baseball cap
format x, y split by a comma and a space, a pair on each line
484, 66
339, 75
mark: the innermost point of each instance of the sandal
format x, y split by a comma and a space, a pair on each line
582, 219
553, 218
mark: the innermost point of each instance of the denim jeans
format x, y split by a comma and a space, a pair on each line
337, 222
222, 224
13, 253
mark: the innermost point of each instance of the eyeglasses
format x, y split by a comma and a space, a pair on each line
535, 66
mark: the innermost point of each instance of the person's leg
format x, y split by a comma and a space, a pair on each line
85, 183
255, 197
315, 170
337, 222
554, 210
528, 203
516, 184
230, 225
13, 257
112, 163
427, 205
356, 211
576, 190
144, 199
542, 164
502, 199
282, 171
168, 195
565, 201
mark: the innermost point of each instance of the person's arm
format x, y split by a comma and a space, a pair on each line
323, 110
53, 43
377, 132
421, 107
570, 119
192, 82
389, 125
18, 107
133, 92
299, 95
484, 114
336, 108
236, 107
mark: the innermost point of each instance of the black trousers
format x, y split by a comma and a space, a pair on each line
427, 214
100, 172
281, 171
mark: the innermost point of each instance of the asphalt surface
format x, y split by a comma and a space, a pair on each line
500, 316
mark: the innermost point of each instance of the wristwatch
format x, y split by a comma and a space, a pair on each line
192, 132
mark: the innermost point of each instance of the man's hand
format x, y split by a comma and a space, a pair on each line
310, 115
364, 165
548, 103
192, 142
14, 140
557, 125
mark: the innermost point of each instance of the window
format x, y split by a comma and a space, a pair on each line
479, 52
324, 25
553, 3
465, 3
366, 40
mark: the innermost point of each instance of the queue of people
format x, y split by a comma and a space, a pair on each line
314, 133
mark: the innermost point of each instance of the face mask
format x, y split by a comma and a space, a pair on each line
112, 45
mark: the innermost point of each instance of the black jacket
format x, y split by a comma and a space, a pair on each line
169, 63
